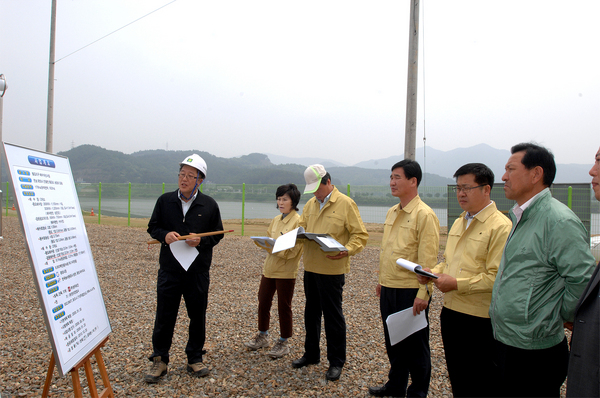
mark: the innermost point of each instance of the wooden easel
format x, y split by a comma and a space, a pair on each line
89, 374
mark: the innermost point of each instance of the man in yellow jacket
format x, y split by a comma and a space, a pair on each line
333, 213
466, 276
412, 232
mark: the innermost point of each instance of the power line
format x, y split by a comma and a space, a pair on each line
105, 36
424, 105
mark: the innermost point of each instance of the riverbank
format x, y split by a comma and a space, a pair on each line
251, 227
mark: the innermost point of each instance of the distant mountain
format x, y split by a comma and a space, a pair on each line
361, 176
93, 164
445, 163
278, 159
573, 173
448, 162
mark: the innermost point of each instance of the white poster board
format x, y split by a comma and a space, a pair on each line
59, 253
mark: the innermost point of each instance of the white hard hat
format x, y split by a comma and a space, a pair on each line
196, 162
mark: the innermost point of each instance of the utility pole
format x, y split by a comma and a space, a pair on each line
50, 113
410, 131
2, 91
3, 87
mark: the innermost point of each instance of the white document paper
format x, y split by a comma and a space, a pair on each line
403, 323
184, 253
286, 241
416, 268
409, 265
325, 242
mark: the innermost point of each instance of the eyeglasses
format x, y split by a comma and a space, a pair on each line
183, 176
466, 189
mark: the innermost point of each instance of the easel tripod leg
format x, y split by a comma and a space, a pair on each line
48, 377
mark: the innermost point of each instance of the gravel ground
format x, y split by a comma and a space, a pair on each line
127, 273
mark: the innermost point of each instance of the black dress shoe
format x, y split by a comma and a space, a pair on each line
333, 373
303, 361
383, 391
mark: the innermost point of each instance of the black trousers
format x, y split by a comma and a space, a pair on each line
170, 286
324, 299
411, 355
469, 350
531, 373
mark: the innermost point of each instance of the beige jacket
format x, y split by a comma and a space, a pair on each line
339, 218
411, 233
472, 256
284, 264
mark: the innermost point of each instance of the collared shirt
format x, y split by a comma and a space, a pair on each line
185, 206
411, 232
324, 200
518, 210
472, 256
469, 217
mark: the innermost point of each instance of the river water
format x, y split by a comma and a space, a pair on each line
142, 208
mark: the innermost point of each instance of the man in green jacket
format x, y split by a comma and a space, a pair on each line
544, 269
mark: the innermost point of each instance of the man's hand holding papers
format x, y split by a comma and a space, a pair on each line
404, 323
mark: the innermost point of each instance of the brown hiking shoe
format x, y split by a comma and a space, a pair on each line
258, 341
198, 369
157, 370
279, 349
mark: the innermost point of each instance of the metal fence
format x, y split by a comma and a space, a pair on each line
577, 196
251, 201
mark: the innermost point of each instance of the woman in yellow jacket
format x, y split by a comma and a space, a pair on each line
279, 275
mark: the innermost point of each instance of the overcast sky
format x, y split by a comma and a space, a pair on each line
303, 79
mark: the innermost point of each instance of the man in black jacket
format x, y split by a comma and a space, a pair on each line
183, 212
584, 362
